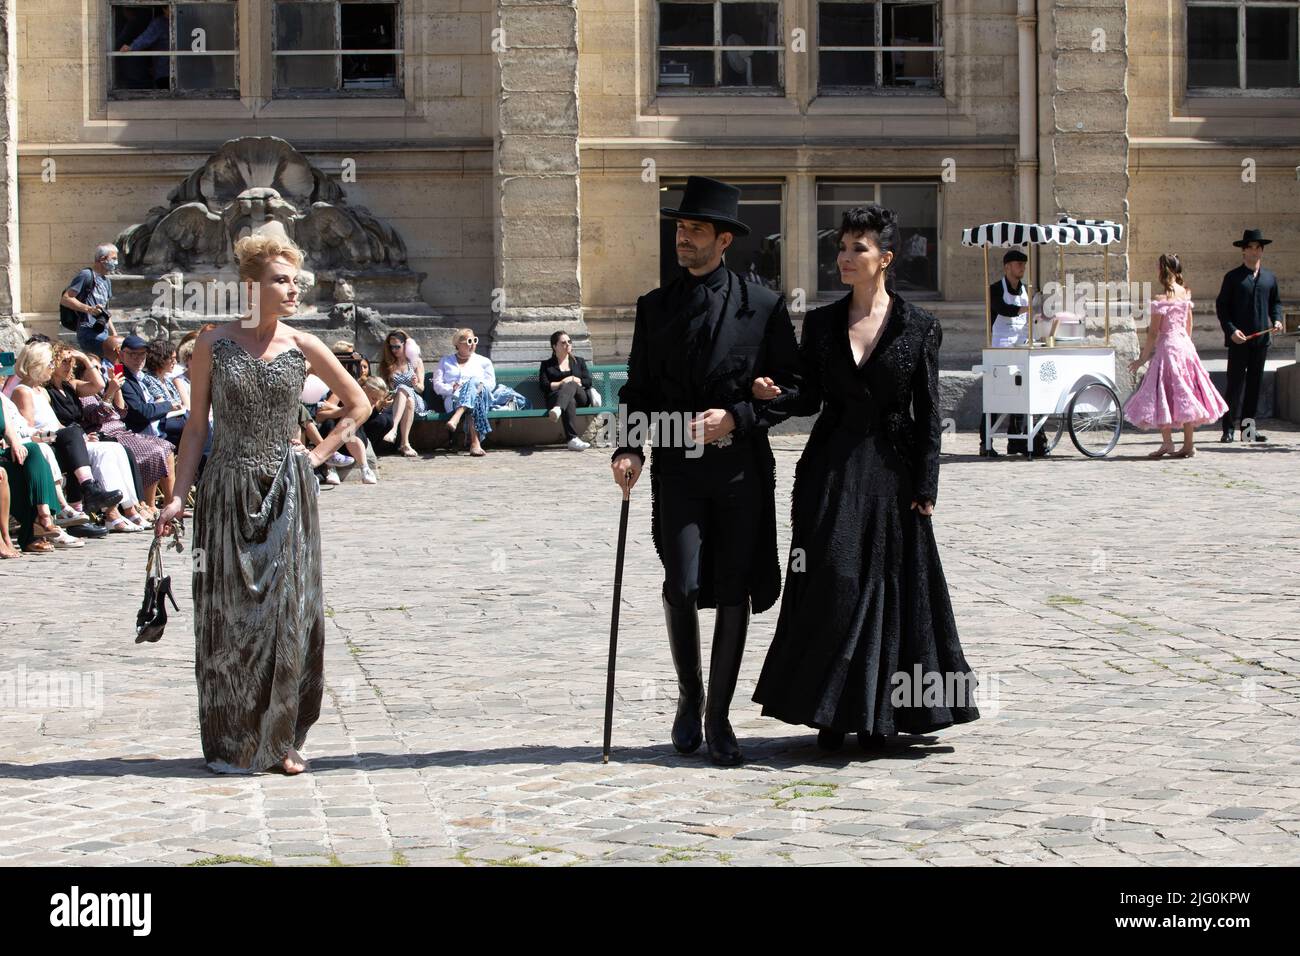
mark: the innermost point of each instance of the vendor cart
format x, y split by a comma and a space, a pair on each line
1056, 380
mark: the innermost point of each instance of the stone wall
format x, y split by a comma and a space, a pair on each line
795, 139
536, 180
1084, 143
423, 160
11, 329
1203, 170
440, 202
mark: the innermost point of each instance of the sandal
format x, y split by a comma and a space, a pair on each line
66, 542
38, 546
477, 452
409, 452
123, 526
71, 518
1160, 452
1184, 453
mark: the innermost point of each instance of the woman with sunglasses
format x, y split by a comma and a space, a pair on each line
465, 380
404, 373
565, 382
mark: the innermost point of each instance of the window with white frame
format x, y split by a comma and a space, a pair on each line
757, 256
727, 45
1239, 45
916, 256
873, 46
337, 47
179, 49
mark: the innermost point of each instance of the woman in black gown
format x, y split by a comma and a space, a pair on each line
866, 642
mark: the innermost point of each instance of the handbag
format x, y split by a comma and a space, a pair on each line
151, 619
96, 414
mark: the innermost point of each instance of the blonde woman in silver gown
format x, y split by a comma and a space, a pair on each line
259, 625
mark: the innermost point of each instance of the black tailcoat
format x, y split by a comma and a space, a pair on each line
692, 352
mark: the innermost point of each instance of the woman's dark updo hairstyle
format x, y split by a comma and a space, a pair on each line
555, 337
882, 223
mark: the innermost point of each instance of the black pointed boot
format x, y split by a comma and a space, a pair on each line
95, 498
684, 640
729, 630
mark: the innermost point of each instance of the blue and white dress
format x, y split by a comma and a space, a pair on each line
405, 382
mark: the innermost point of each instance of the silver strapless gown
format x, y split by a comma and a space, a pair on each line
259, 622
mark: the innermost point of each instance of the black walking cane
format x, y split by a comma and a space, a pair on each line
613, 617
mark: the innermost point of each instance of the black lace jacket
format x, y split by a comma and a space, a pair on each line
896, 390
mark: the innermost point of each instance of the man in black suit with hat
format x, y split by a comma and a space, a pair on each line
699, 343
1249, 307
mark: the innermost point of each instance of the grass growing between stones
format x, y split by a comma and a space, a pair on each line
689, 855
814, 789
519, 859
223, 860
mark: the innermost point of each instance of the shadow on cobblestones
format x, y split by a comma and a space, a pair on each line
764, 755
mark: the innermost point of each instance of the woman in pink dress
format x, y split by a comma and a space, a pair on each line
1177, 391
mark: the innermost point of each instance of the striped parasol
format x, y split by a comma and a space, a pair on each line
1067, 232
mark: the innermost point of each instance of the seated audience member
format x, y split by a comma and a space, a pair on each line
566, 385
466, 380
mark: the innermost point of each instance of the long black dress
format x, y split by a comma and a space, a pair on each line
866, 641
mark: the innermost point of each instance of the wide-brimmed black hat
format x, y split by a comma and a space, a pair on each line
1252, 235
709, 200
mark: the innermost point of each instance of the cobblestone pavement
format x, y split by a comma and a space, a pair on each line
1133, 623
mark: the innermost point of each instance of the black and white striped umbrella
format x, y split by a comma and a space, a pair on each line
1068, 232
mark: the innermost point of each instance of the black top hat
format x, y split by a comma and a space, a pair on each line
1252, 235
709, 200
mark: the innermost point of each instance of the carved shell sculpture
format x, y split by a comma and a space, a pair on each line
246, 184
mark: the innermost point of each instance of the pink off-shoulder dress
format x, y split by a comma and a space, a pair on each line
1177, 389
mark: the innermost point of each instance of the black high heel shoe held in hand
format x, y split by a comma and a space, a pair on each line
151, 619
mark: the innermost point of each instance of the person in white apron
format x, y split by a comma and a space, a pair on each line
1010, 302
1009, 313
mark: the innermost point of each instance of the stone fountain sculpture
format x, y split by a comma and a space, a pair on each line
357, 283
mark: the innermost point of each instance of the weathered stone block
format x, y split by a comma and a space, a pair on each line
530, 28
540, 71
538, 196
539, 113
523, 153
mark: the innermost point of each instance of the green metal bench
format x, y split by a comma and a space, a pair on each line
528, 426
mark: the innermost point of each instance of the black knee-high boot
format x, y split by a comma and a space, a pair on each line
684, 639
729, 630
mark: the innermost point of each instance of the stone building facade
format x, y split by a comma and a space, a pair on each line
522, 148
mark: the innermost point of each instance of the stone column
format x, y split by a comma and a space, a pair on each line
538, 288
1085, 144
11, 328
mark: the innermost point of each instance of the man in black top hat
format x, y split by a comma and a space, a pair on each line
699, 343
1249, 306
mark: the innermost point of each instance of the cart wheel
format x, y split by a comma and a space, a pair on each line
1095, 420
